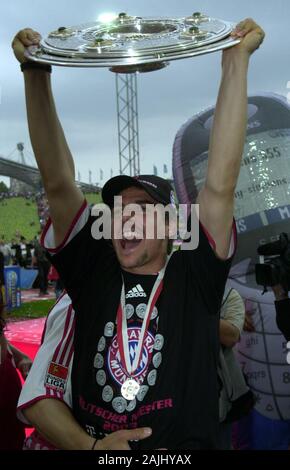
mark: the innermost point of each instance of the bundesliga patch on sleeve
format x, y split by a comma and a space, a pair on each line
56, 377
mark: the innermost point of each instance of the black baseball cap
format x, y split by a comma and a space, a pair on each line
158, 188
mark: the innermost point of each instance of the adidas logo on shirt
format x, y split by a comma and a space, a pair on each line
136, 292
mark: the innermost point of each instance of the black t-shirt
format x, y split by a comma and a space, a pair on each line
283, 317
178, 398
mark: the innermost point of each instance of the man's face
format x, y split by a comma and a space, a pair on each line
138, 252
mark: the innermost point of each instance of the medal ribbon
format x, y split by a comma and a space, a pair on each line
122, 332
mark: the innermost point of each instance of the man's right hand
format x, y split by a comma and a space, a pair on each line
120, 440
25, 38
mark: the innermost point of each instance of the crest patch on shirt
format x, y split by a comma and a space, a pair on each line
56, 376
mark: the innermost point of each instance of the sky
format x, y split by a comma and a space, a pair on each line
86, 98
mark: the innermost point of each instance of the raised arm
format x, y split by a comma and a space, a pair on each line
216, 198
51, 150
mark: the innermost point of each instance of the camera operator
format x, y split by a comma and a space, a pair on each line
274, 272
282, 306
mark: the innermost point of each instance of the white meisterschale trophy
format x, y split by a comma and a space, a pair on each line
127, 44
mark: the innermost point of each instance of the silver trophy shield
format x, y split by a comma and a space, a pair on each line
133, 44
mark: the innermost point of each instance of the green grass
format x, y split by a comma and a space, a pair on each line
93, 198
37, 309
17, 214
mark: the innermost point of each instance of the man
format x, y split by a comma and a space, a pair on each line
143, 369
282, 307
234, 386
6, 251
11, 430
43, 266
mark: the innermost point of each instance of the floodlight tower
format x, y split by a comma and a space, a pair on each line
20, 148
127, 111
128, 127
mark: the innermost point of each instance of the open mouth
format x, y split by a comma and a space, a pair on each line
129, 242
129, 245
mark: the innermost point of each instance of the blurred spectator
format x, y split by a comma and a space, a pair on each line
43, 267
23, 254
6, 251
11, 430
18, 254
236, 399
26, 252
53, 276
